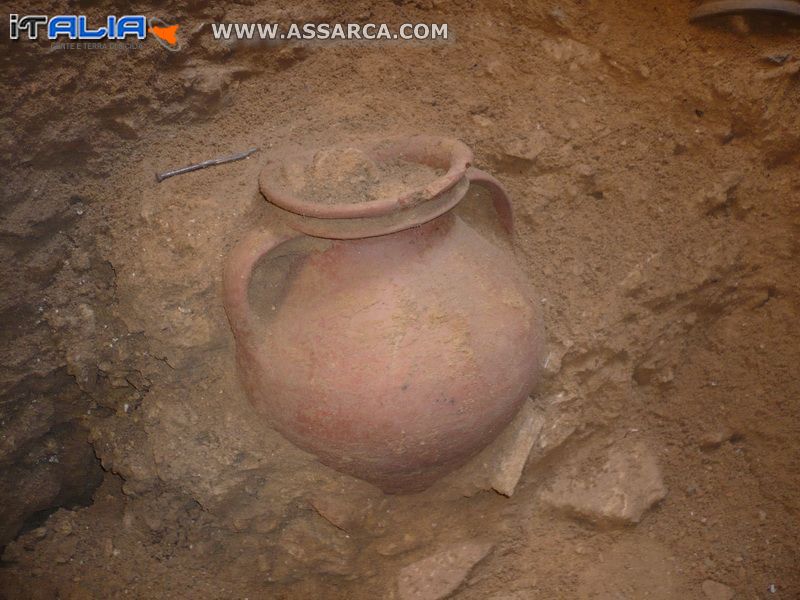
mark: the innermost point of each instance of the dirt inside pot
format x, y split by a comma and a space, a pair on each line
345, 175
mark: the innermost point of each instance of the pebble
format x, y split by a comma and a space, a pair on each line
714, 590
714, 439
529, 145
153, 521
64, 527
263, 563
739, 24
393, 547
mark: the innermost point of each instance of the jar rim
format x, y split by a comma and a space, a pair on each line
440, 152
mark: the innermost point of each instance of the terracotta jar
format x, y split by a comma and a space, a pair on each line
388, 337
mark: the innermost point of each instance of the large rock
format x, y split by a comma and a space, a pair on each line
616, 487
441, 574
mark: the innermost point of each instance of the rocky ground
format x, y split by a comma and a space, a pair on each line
653, 166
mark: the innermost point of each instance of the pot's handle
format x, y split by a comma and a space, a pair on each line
237, 273
500, 199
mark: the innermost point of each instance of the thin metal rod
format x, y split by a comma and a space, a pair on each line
205, 164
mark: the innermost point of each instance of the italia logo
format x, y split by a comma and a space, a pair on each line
76, 27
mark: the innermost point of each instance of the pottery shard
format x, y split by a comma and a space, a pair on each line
617, 490
516, 447
439, 575
714, 590
500, 465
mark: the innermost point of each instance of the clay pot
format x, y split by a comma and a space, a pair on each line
389, 338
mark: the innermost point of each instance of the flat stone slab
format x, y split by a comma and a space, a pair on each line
439, 575
514, 449
609, 486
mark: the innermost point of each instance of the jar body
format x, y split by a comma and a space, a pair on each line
395, 358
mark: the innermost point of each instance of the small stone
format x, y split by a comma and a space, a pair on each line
566, 50
128, 519
495, 68
739, 24
529, 145
617, 491
776, 59
441, 574
482, 121
125, 128
393, 547
714, 439
105, 366
308, 545
153, 520
552, 363
634, 281
519, 595
714, 590
263, 563
80, 259
720, 195
64, 527
584, 170
118, 381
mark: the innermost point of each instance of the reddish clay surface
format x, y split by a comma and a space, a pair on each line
393, 357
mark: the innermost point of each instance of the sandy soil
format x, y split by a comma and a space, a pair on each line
654, 170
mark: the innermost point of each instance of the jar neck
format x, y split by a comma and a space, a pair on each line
365, 227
